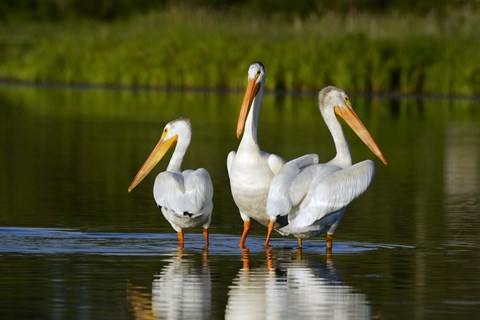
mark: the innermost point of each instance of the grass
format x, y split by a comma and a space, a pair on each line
180, 47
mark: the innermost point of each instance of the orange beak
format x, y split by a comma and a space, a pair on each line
157, 154
359, 128
250, 94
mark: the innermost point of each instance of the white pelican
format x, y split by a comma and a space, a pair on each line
250, 169
314, 196
185, 198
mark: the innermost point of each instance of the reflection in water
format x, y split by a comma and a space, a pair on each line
182, 290
293, 288
461, 161
139, 302
462, 182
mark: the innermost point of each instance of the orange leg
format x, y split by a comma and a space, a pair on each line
299, 243
329, 242
271, 225
246, 228
205, 235
180, 239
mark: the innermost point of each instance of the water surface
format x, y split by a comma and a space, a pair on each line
75, 244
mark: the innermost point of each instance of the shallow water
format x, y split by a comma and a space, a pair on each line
75, 244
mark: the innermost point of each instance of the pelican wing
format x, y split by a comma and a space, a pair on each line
198, 189
279, 202
189, 191
275, 163
168, 188
334, 192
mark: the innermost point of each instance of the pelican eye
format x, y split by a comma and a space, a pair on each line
164, 134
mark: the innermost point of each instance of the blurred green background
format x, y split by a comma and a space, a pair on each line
365, 46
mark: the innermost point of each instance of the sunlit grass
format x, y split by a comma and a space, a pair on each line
199, 48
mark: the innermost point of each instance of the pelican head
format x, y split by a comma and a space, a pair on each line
173, 131
332, 99
256, 78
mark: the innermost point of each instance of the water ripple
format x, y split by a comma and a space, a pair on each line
55, 241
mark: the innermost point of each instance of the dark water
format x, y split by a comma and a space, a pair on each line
75, 244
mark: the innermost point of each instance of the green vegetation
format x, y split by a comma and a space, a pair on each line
178, 46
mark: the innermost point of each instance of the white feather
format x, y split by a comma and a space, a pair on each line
332, 192
279, 200
190, 191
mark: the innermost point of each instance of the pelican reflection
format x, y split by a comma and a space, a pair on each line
183, 289
289, 287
